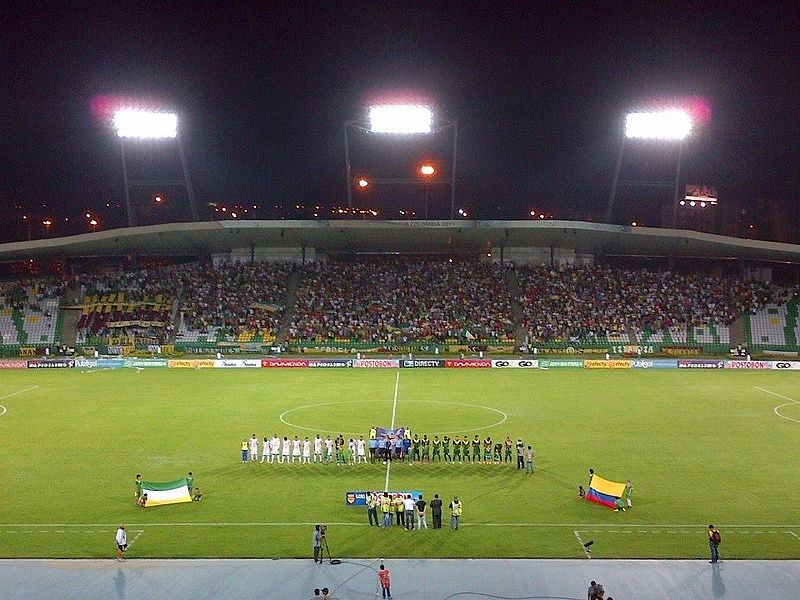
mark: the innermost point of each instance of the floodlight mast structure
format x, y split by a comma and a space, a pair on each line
401, 120
667, 125
150, 125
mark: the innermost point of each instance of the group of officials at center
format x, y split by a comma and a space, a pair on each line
406, 510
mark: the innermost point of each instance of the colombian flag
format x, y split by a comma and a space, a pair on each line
604, 492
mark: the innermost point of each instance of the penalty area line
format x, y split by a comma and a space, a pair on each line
777, 408
11, 395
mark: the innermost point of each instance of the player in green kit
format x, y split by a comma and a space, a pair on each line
446, 448
487, 449
415, 448
437, 449
426, 448
456, 449
465, 448
509, 444
476, 449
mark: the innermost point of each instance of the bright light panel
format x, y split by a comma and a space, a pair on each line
145, 124
400, 118
661, 125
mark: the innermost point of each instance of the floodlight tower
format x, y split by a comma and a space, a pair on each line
665, 125
150, 125
402, 120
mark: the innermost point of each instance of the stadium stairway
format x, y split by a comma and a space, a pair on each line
69, 318
19, 323
292, 283
512, 284
737, 331
791, 322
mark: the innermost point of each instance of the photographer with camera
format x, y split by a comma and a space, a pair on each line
317, 537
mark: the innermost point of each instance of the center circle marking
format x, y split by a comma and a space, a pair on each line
282, 416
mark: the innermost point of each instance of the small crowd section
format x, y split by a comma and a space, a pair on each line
395, 363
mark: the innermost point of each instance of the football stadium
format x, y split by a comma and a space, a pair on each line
457, 363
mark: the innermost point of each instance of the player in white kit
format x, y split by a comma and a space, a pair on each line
253, 448
275, 447
328, 449
265, 450
317, 449
285, 450
296, 449
306, 451
361, 450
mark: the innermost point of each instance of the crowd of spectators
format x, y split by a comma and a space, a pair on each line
400, 299
232, 299
589, 303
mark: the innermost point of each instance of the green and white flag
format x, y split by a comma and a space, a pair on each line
172, 492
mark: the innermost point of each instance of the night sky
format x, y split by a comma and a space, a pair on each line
538, 90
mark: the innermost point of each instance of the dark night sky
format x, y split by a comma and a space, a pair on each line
537, 88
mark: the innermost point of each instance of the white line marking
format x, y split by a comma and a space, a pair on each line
584, 548
794, 535
14, 394
394, 412
318, 404
777, 408
138, 533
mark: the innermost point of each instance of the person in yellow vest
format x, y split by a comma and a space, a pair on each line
244, 450
399, 511
386, 509
373, 442
455, 513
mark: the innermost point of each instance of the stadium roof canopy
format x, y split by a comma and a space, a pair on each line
194, 239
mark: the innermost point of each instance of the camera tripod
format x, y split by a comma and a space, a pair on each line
327, 550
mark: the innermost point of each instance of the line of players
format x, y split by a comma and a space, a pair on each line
288, 450
353, 451
427, 449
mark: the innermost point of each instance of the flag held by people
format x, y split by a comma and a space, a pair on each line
605, 492
171, 492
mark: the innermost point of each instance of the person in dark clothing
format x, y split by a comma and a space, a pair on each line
436, 511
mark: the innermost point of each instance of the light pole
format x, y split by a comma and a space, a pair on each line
663, 125
150, 125
400, 120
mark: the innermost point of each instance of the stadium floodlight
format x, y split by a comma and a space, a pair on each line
658, 125
144, 124
400, 119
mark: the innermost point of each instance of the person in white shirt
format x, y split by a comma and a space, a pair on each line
306, 451
265, 450
317, 449
275, 447
295, 448
351, 451
361, 450
253, 448
285, 449
122, 542
328, 449
409, 505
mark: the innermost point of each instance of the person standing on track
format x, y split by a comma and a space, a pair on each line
714, 539
122, 542
383, 578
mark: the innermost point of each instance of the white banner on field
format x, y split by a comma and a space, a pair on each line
238, 363
515, 364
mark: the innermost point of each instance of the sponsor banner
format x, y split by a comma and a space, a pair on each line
190, 364
330, 363
515, 364
748, 364
422, 363
680, 350
376, 363
632, 350
468, 363
99, 363
555, 363
654, 363
146, 363
607, 364
700, 363
284, 362
29, 352
13, 364
238, 363
51, 364
775, 364
360, 498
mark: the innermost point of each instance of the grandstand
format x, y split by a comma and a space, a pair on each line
423, 299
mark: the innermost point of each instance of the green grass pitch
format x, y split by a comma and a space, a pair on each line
700, 447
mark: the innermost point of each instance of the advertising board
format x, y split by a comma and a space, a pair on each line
748, 364
51, 364
190, 364
468, 363
13, 364
515, 364
654, 363
700, 363
607, 364
330, 363
238, 363
422, 363
558, 363
376, 363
